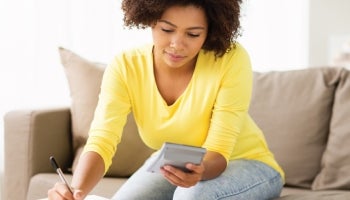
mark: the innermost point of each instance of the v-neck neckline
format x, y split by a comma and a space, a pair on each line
183, 94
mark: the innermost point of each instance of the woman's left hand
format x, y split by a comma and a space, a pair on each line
180, 178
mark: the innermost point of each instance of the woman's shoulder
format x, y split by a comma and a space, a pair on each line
132, 59
142, 51
237, 58
235, 50
235, 54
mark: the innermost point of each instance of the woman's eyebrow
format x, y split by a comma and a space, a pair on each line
171, 24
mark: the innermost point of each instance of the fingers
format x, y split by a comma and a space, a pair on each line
59, 192
198, 169
174, 176
78, 195
180, 178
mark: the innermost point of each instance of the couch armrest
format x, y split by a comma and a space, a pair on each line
31, 136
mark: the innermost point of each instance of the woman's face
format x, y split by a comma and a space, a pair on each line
179, 35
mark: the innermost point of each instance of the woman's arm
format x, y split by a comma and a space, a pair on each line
214, 164
90, 170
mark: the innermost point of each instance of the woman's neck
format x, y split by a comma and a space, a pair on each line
172, 82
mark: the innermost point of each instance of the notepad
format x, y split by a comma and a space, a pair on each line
177, 155
95, 197
88, 197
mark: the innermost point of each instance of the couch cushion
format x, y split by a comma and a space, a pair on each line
318, 195
293, 108
291, 193
335, 172
41, 183
84, 79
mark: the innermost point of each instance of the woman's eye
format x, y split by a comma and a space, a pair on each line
193, 35
167, 30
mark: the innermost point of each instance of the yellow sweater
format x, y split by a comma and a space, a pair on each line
212, 112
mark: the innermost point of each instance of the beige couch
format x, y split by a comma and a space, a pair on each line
305, 115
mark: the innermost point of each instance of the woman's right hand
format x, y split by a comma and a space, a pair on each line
61, 192
89, 171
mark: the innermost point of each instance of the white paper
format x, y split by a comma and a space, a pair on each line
95, 197
89, 197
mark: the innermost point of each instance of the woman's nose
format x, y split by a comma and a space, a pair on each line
177, 42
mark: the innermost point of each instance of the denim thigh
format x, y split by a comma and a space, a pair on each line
143, 185
242, 179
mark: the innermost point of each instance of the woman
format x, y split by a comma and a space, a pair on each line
191, 86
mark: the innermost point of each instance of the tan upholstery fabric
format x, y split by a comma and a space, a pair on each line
290, 193
41, 183
322, 195
293, 108
84, 78
335, 173
31, 137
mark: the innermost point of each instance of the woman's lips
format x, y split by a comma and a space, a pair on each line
175, 57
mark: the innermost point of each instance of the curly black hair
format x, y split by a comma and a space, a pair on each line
223, 18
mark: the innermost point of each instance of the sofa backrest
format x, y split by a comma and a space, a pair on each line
294, 109
335, 164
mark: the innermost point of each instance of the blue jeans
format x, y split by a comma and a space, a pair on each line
242, 179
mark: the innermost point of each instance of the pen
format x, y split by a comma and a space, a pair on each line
60, 173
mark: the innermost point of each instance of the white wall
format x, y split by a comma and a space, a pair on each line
275, 33
329, 20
